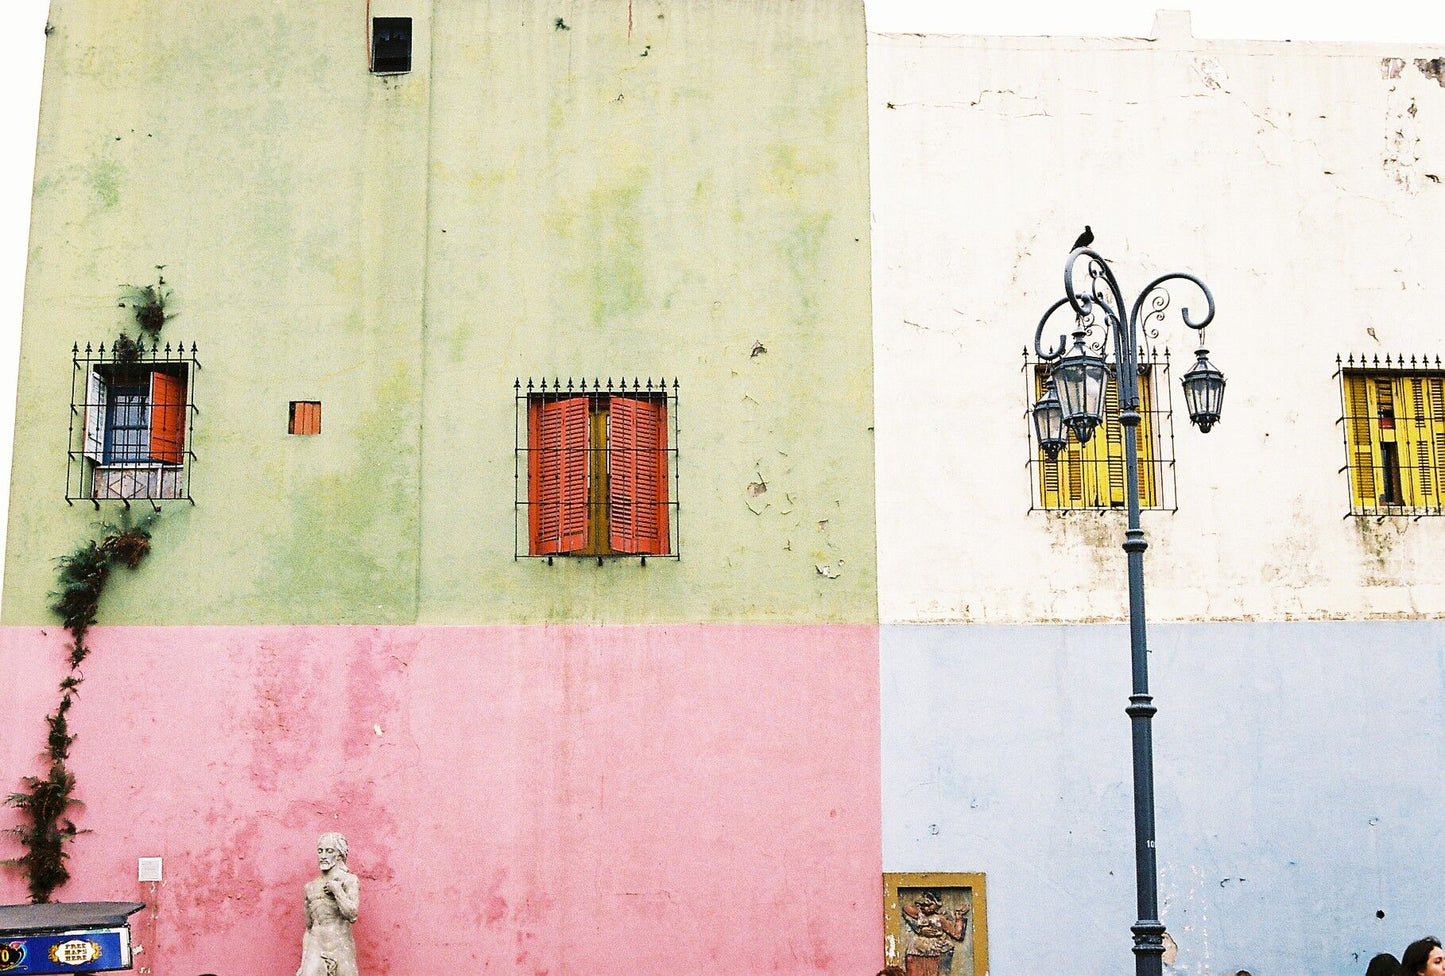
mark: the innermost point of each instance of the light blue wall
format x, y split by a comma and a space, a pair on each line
1298, 772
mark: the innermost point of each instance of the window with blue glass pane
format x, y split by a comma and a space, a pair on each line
131, 425
127, 425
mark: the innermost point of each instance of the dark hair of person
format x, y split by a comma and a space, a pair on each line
1417, 953
1384, 964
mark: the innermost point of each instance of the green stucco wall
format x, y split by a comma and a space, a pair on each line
650, 190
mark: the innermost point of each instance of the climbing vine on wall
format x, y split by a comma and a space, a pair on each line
46, 801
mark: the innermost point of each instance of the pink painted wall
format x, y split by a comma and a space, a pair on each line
517, 799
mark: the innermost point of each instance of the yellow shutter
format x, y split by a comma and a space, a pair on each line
1110, 467
1148, 477
1049, 496
1419, 428
1364, 451
1092, 475
1408, 396
1435, 430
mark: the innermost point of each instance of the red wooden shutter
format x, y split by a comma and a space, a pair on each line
168, 418
637, 475
557, 468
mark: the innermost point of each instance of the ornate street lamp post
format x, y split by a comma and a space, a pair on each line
1073, 403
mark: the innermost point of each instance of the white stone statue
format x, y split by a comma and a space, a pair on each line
332, 902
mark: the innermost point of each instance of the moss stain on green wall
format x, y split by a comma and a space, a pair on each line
614, 235
565, 204
792, 170
103, 178
351, 541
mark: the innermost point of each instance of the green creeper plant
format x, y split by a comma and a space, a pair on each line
150, 303
45, 801
126, 349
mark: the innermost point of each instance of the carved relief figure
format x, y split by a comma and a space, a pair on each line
934, 934
332, 903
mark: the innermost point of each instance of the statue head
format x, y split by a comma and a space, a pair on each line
330, 850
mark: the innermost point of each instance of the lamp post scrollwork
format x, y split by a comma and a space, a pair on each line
1073, 405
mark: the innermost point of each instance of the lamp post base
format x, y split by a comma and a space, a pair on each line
1148, 947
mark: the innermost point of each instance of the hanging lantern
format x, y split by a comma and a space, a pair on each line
1049, 422
1080, 377
1203, 391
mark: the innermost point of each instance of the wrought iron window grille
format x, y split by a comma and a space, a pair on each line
1091, 477
132, 423
614, 496
1392, 420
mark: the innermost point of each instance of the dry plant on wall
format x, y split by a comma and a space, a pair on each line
151, 305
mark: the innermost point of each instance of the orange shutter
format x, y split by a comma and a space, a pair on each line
305, 417
168, 418
637, 476
557, 464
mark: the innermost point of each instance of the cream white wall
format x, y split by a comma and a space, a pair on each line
1298, 180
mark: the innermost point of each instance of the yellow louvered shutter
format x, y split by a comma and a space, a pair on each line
1364, 451
1092, 475
1148, 477
1111, 464
1416, 481
1435, 430
1049, 494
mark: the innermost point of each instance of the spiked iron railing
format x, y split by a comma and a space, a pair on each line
598, 393
138, 446
1392, 421
1091, 479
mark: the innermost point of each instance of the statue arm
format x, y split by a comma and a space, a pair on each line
348, 897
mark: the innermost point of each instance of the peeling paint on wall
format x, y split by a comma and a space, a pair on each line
1341, 182
1212, 73
236, 857
1432, 68
1402, 140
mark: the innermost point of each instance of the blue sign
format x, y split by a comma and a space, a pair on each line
86, 951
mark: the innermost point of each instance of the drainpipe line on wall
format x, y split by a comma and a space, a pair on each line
426, 245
